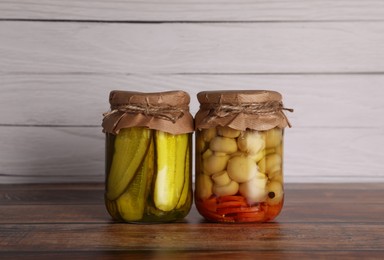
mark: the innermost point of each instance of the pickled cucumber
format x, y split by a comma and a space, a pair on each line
171, 153
132, 203
131, 145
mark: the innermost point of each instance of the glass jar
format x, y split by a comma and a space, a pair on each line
148, 156
239, 155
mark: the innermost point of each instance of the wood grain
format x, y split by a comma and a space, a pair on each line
92, 193
318, 220
192, 254
58, 203
274, 236
342, 47
319, 100
192, 10
96, 214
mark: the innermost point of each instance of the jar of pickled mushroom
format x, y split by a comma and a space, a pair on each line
239, 155
148, 156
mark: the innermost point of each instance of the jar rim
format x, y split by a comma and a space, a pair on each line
241, 109
171, 98
166, 111
238, 96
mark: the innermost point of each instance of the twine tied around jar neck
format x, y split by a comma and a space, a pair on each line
163, 112
219, 110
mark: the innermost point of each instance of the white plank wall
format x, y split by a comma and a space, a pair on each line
60, 59
64, 47
194, 10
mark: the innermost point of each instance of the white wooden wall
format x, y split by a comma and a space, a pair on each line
59, 60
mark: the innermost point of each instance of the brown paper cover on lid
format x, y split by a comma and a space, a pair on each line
164, 111
245, 109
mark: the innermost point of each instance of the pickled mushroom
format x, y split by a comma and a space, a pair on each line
223, 144
221, 178
241, 168
275, 193
203, 186
251, 142
208, 134
231, 189
255, 189
214, 164
228, 132
273, 137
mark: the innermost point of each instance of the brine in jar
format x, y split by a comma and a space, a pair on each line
148, 156
239, 174
239, 156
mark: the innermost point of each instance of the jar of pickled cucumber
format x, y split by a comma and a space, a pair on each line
148, 156
239, 155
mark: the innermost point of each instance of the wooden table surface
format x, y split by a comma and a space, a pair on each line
61, 221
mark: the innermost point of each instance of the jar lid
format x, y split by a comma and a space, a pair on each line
244, 109
164, 111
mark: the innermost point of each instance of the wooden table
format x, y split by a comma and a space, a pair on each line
69, 221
